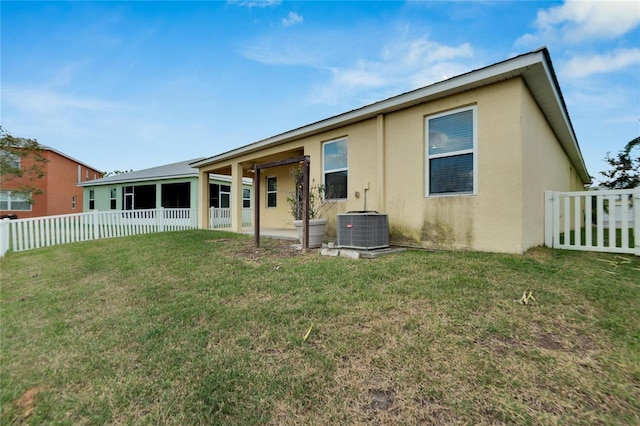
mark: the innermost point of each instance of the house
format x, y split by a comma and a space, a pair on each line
461, 164
170, 186
59, 185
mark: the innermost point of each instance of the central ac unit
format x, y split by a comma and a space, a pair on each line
363, 230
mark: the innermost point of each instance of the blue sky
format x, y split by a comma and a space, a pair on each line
132, 85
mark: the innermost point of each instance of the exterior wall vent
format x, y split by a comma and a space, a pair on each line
363, 230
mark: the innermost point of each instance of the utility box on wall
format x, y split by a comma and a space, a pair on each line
363, 230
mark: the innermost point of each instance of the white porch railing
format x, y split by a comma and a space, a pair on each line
27, 234
221, 217
607, 221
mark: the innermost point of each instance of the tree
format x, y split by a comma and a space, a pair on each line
13, 150
625, 168
116, 172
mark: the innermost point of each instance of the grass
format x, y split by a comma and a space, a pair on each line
594, 237
199, 327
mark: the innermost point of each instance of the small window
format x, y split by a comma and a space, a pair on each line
113, 198
225, 196
92, 199
73, 202
14, 160
451, 153
272, 191
87, 174
335, 169
246, 198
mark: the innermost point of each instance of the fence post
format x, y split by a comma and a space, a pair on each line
4, 236
160, 219
96, 225
636, 220
548, 218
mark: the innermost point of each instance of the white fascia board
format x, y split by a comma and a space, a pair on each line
510, 68
96, 182
573, 150
500, 71
101, 182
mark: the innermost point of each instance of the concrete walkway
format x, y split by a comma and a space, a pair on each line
285, 234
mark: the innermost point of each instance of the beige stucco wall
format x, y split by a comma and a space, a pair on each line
489, 220
546, 167
518, 157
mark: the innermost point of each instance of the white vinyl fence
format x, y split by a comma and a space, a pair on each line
607, 221
221, 217
27, 234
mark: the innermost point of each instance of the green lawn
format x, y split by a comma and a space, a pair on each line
594, 237
199, 327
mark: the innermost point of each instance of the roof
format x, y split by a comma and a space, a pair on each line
48, 148
181, 169
535, 68
174, 170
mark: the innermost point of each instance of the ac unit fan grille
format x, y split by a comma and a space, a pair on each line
363, 230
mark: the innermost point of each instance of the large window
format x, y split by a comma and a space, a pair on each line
139, 197
272, 191
176, 195
335, 169
219, 196
14, 201
451, 153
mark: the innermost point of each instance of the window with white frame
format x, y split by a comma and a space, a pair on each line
451, 153
113, 193
335, 168
15, 201
74, 202
92, 199
246, 198
13, 160
272, 191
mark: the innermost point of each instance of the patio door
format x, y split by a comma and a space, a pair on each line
128, 198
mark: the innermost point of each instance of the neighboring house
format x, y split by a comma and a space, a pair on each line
61, 194
170, 186
462, 163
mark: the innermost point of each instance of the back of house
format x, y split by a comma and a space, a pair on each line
461, 164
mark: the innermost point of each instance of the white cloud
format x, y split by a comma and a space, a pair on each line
401, 67
250, 4
583, 66
292, 19
43, 101
272, 51
577, 21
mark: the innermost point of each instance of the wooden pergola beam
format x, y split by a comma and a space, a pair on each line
305, 161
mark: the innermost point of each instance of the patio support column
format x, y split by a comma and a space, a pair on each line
236, 197
203, 197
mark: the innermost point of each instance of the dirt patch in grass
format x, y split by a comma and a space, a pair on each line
27, 402
270, 248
